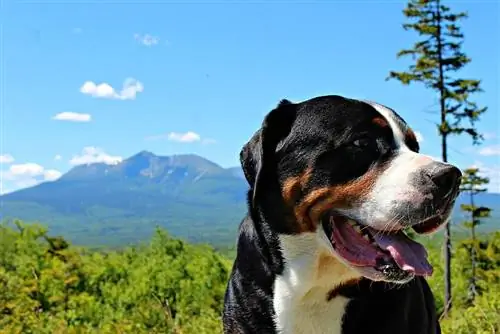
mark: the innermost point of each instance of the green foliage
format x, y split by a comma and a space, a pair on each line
47, 286
169, 286
471, 185
437, 56
482, 316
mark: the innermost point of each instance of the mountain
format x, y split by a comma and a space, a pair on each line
192, 197
236, 171
101, 204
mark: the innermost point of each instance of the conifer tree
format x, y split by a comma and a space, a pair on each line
437, 56
472, 184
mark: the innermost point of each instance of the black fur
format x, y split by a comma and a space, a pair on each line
292, 137
388, 308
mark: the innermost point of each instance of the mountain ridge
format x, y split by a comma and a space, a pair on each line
189, 195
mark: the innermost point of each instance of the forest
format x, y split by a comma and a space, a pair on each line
170, 286
165, 286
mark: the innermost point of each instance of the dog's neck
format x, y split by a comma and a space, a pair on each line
311, 265
305, 298
306, 276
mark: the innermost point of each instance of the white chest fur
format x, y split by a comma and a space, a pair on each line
315, 315
301, 293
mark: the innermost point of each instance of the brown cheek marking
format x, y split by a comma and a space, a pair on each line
316, 203
380, 121
292, 191
292, 187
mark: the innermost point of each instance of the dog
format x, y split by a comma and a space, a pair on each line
334, 183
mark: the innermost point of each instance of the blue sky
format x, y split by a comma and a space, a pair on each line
198, 78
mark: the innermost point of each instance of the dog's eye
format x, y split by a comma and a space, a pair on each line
361, 142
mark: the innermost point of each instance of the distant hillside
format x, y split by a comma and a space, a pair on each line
189, 195
98, 203
236, 171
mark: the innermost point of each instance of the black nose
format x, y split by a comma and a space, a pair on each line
447, 180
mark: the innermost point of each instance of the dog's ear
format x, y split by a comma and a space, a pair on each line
258, 155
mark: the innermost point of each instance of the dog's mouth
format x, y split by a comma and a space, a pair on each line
391, 253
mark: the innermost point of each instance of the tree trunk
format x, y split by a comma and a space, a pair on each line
444, 150
447, 267
473, 248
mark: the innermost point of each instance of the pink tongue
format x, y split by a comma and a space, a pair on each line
408, 254
353, 247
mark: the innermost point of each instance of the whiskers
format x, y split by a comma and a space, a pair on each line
391, 225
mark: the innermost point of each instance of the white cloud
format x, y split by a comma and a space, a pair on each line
72, 117
57, 157
51, 174
6, 159
491, 172
27, 169
130, 89
104, 90
91, 154
419, 136
4, 190
147, 39
188, 137
27, 175
490, 150
183, 137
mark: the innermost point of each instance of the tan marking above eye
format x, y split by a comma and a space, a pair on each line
381, 122
410, 136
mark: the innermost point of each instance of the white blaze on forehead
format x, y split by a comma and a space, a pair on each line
388, 114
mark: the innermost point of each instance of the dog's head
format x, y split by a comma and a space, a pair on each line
350, 174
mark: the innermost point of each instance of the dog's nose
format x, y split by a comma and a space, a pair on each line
447, 180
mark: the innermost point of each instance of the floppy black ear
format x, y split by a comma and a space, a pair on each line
258, 155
